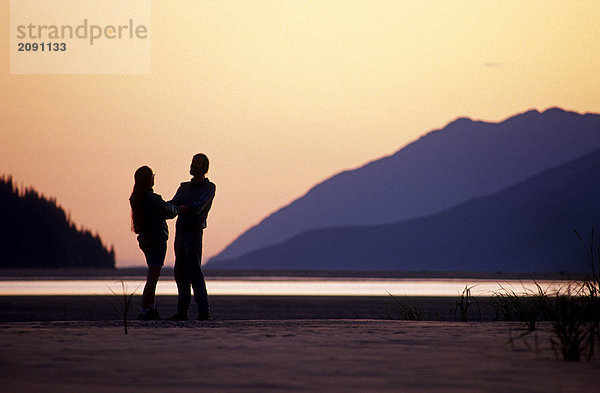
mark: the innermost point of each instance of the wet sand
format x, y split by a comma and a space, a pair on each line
102, 308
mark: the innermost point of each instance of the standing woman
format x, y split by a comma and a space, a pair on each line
149, 213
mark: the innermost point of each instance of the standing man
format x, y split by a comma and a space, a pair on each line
194, 199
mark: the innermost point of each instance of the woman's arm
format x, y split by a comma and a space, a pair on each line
162, 208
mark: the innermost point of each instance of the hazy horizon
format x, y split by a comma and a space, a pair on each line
282, 95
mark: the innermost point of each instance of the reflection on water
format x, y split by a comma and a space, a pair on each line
284, 287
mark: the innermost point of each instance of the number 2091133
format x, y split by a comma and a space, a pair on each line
42, 47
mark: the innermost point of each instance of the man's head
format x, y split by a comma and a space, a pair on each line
199, 165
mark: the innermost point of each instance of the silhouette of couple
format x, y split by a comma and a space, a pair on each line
149, 213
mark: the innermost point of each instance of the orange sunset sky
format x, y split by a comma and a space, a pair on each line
281, 95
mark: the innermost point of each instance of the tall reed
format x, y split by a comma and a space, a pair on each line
464, 302
125, 301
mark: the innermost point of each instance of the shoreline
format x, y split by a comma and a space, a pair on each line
140, 272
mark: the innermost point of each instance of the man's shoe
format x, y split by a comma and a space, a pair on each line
204, 316
178, 317
150, 315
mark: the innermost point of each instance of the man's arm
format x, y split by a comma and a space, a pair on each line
204, 200
169, 211
176, 198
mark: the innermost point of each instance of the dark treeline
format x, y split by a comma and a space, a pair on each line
36, 232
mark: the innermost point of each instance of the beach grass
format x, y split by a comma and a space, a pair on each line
464, 302
573, 311
125, 302
406, 310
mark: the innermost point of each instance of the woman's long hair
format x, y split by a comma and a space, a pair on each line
144, 180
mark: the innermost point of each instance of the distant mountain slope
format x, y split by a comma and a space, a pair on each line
36, 232
527, 227
464, 160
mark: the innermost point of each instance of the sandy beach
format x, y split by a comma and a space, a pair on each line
282, 356
276, 350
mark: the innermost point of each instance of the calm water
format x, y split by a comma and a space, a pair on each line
283, 286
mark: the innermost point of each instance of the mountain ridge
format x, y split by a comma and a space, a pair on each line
444, 167
519, 229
